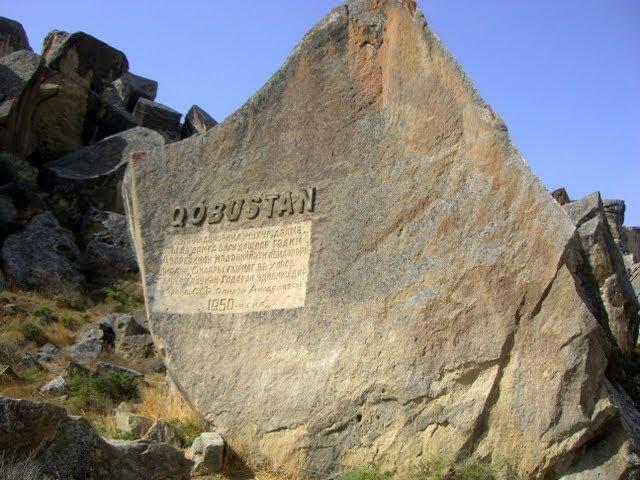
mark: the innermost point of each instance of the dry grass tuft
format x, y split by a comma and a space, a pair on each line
156, 403
58, 334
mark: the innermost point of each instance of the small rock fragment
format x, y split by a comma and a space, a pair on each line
208, 453
164, 432
197, 121
158, 117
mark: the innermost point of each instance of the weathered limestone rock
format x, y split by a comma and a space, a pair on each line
88, 345
73, 117
43, 256
634, 274
158, 117
197, 121
103, 368
68, 447
164, 432
12, 37
561, 196
90, 61
47, 353
131, 87
608, 268
92, 175
358, 266
19, 97
208, 452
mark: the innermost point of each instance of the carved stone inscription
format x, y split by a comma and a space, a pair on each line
235, 271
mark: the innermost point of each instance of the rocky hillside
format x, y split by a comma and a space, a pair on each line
84, 390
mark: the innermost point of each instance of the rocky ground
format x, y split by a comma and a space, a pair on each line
84, 392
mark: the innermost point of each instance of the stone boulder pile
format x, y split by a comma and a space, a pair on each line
70, 117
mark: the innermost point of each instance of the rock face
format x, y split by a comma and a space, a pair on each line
358, 266
19, 96
43, 256
92, 175
12, 37
158, 117
608, 268
197, 121
131, 87
69, 448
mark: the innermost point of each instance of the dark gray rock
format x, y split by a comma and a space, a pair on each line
208, 453
197, 121
92, 175
561, 196
136, 346
158, 117
12, 37
132, 338
164, 432
131, 87
68, 447
109, 252
43, 256
10, 308
19, 97
124, 325
84, 58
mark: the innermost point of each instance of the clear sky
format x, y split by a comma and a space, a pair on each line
564, 75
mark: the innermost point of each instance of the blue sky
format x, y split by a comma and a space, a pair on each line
564, 75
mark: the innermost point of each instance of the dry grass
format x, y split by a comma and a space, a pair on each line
58, 334
156, 403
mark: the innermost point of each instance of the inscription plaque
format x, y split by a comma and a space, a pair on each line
235, 271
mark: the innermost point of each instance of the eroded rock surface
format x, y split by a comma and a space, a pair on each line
12, 37
427, 300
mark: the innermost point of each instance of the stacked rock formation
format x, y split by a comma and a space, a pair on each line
431, 297
70, 117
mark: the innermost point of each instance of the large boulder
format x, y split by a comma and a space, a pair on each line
92, 176
197, 121
84, 58
44, 256
68, 447
19, 96
12, 37
357, 266
109, 253
608, 268
158, 117
634, 275
130, 88
74, 117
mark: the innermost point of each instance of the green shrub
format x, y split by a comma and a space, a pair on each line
100, 392
33, 375
439, 468
42, 311
122, 297
69, 323
367, 473
31, 331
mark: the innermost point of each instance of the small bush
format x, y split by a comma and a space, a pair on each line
439, 468
42, 311
122, 297
31, 331
100, 392
33, 375
68, 322
367, 473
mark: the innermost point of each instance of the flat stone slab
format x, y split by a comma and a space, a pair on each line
357, 266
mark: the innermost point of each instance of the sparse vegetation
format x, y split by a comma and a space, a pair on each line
123, 297
42, 311
155, 403
31, 331
68, 322
101, 392
366, 473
